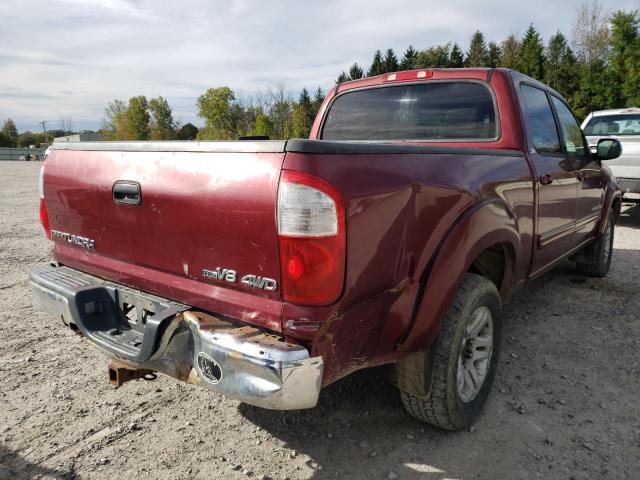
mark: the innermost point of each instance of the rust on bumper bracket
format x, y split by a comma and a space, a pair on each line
120, 373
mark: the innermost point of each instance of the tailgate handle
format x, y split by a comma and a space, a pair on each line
127, 192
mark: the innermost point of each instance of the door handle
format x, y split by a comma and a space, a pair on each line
580, 175
127, 192
545, 179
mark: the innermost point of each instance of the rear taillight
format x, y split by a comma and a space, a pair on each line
44, 216
311, 228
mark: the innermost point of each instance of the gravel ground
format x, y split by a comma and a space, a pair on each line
565, 403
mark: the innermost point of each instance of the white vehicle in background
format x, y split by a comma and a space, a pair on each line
624, 125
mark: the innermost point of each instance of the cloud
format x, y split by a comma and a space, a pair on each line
74, 56
123, 7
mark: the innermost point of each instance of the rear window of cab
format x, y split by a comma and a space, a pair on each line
437, 111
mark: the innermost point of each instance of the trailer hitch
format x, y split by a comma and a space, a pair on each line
120, 373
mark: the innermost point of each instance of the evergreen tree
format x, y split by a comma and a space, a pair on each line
343, 77
560, 66
409, 58
532, 62
355, 72
307, 104
510, 51
318, 98
377, 66
456, 57
302, 116
301, 121
590, 95
623, 86
390, 61
477, 54
493, 55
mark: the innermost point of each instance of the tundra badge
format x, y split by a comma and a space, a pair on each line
77, 240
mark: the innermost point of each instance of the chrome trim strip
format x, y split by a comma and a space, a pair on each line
591, 218
262, 146
556, 233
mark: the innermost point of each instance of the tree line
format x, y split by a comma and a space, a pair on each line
596, 68
9, 136
272, 114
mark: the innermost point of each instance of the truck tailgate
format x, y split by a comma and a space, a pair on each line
203, 207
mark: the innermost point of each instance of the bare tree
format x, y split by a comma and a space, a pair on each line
66, 125
590, 34
280, 111
260, 99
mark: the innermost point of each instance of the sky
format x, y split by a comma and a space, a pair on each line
70, 58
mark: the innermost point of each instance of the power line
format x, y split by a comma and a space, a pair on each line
44, 129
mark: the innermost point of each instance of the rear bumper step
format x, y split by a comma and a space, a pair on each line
154, 334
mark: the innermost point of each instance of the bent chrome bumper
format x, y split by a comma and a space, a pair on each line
152, 333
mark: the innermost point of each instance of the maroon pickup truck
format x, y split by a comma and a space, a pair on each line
265, 270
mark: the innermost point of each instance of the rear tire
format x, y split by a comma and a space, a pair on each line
596, 258
466, 354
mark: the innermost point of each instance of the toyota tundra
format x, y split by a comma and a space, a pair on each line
266, 270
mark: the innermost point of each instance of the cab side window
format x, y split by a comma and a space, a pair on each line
571, 133
541, 125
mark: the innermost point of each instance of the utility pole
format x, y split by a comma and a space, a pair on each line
44, 129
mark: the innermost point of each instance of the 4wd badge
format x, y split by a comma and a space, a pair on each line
231, 276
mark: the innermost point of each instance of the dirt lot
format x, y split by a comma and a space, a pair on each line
566, 402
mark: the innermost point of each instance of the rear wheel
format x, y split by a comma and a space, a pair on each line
595, 260
466, 353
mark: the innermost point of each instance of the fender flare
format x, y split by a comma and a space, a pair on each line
613, 197
481, 226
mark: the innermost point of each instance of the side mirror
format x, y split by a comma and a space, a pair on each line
608, 149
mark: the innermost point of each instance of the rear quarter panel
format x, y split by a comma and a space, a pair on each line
399, 209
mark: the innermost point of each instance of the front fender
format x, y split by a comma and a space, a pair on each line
482, 226
612, 203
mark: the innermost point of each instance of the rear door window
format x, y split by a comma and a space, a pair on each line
541, 126
438, 111
571, 132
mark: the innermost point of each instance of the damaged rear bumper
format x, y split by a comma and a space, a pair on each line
154, 334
